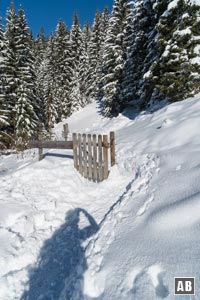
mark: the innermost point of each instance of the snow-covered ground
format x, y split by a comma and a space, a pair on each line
65, 238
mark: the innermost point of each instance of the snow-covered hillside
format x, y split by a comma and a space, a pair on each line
65, 238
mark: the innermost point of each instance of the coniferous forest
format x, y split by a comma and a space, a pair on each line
139, 54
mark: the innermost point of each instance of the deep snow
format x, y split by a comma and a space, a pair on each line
137, 230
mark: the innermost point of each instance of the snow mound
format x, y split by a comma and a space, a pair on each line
65, 238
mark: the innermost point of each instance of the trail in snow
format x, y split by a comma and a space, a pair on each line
139, 224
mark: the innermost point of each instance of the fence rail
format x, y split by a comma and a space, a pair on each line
91, 153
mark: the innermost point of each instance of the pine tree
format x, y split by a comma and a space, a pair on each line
113, 58
140, 40
84, 70
11, 67
94, 56
50, 100
25, 117
3, 107
76, 39
40, 45
20, 72
103, 32
176, 71
63, 70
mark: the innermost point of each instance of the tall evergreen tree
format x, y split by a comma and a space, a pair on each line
63, 70
50, 100
176, 71
113, 58
84, 70
40, 45
76, 39
94, 56
20, 72
140, 41
3, 105
103, 32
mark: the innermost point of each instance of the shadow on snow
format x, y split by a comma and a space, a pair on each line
62, 263
49, 154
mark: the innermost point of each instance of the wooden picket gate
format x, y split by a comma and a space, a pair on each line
91, 152
91, 155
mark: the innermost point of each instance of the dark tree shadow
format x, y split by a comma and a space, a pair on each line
62, 263
58, 155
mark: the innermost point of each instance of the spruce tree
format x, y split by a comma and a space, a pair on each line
175, 73
84, 67
40, 45
50, 100
140, 41
3, 105
103, 32
94, 56
19, 73
63, 70
113, 58
76, 39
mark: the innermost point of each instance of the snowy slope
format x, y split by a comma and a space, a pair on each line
137, 230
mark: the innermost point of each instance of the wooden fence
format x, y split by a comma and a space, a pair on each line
91, 155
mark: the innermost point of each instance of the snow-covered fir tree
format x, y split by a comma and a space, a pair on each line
103, 32
26, 119
84, 70
113, 58
3, 105
76, 39
20, 72
40, 45
94, 56
140, 42
63, 70
11, 68
175, 73
50, 100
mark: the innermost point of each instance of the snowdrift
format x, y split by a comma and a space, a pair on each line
65, 238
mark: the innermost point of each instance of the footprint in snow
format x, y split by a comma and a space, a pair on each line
144, 207
145, 283
156, 276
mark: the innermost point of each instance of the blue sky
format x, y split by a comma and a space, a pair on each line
46, 13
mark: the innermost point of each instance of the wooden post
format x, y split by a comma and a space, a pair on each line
80, 154
75, 150
40, 153
112, 148
84, 156
65, 131
94, 157
100, 169
90, 156
105, 156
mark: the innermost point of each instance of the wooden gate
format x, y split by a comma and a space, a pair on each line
91, 155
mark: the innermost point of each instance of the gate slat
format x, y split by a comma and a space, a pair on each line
84, 156
75, 150
89, 156
80, 154
100, 165
105, 156
94, 157
112, 148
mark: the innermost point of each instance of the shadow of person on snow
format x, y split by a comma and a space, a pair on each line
62, 263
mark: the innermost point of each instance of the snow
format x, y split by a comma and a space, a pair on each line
183, 32
173, 4
65, 238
